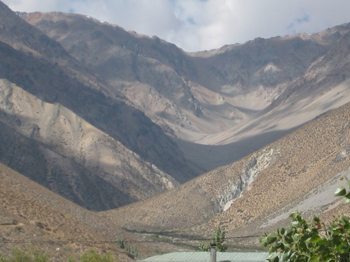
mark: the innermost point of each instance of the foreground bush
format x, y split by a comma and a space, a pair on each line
311, 241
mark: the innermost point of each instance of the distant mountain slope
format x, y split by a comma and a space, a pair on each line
146, 70
19, 34
88, 142
34, 217
192, 95
58, 173
49, 83
68, 155
297, 172
92, 100
105, 117
220, 105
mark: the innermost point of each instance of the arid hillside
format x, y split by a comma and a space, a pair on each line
106, 133
32, 217
298, 172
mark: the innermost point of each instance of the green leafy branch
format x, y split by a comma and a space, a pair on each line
311, 241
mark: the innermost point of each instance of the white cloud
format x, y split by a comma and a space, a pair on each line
204, 24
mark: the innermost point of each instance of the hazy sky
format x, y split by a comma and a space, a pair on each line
204, 24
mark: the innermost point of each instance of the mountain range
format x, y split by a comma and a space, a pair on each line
109, 119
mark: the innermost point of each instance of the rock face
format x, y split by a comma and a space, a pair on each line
235, 189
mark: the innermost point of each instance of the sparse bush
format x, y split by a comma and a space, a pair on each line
218, 240
130, 249
204, 246
121, 243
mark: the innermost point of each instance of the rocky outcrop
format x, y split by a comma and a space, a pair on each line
255, 165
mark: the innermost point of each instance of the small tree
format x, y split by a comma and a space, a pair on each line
218, 240
132, 250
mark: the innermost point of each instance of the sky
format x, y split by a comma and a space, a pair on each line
197, 25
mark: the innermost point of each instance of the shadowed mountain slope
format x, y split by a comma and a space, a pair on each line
86, 142
63, 152
53, 83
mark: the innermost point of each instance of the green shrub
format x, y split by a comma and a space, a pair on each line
121, 243
18, 255
311, 241
130, 249
93, 256
218, 240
